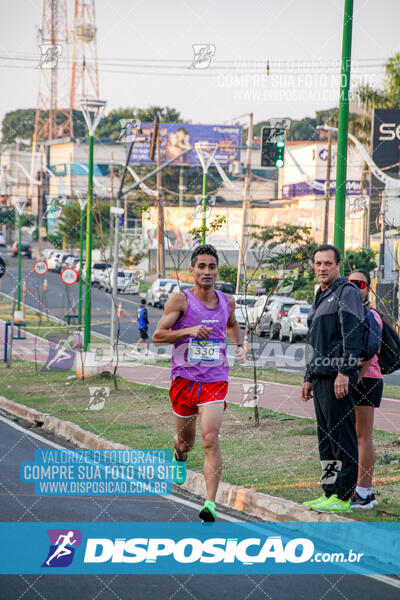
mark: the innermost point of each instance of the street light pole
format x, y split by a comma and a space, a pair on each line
19, 207
19, 261
89, 231
341, 163
204, 214
89, 106
82, 204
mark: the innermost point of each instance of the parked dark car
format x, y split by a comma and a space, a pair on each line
224, 286
26, 250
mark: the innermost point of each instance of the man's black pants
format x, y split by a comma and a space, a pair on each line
337, 437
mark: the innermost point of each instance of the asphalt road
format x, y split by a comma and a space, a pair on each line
18, 503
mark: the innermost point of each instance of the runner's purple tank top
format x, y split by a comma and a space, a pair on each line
202, 360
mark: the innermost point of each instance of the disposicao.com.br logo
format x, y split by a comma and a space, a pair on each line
190, 550
211, 548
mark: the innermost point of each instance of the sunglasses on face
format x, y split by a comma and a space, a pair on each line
359, 283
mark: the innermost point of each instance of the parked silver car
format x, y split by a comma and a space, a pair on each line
172, 288
156, 290
294, 325
270, 322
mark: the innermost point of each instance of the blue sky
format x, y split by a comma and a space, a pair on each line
300, 38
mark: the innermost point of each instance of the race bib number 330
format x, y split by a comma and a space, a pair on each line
203, 350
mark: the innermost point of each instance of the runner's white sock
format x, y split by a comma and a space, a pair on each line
363, 491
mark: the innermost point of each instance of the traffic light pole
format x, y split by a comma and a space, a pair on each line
341, 166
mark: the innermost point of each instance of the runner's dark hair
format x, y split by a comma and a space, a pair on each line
363, 272
204, 249
324, 248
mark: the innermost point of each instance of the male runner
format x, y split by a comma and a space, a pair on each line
196, 321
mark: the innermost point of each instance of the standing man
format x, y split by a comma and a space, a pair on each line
335, 331
143, 324
196, 321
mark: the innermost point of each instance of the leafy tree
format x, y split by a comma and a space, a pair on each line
110, 126
69, 223
55, 239
389, 95
288, 248
128, 253
228, 273
359, 259
21, 123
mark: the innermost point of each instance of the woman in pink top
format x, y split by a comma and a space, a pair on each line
368, 396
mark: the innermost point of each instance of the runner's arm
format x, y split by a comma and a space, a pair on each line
232, 326
174, 308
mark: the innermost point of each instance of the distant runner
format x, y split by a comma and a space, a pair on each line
196, 321
143, 324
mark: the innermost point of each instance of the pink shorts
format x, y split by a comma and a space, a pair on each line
186, 396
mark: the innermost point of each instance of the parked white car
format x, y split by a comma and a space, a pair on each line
125, 281
131, 286
156, 290
97, 270
257, 308
243, 306
53, 261
2, 239
294, 325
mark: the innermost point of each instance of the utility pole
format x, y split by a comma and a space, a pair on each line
160, 216
182, 185
341, 162
71, 187
328, 187
246, 193
117, 211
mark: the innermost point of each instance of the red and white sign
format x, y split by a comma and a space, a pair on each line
69, 276
40, 267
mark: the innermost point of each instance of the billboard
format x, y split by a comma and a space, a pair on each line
176, 137
386, 139
385, 153
179, 221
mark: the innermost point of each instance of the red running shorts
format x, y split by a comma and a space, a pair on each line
186, 396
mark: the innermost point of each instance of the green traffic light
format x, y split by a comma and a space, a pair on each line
279, 163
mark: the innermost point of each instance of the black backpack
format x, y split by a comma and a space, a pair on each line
389, 355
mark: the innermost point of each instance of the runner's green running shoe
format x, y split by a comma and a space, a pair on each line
333, 504
179, 469
208, 513
309, 503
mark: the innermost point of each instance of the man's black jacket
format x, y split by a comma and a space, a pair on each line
335, 330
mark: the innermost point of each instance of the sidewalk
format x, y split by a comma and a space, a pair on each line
279, 397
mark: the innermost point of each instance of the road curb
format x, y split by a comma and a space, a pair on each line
263, 506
